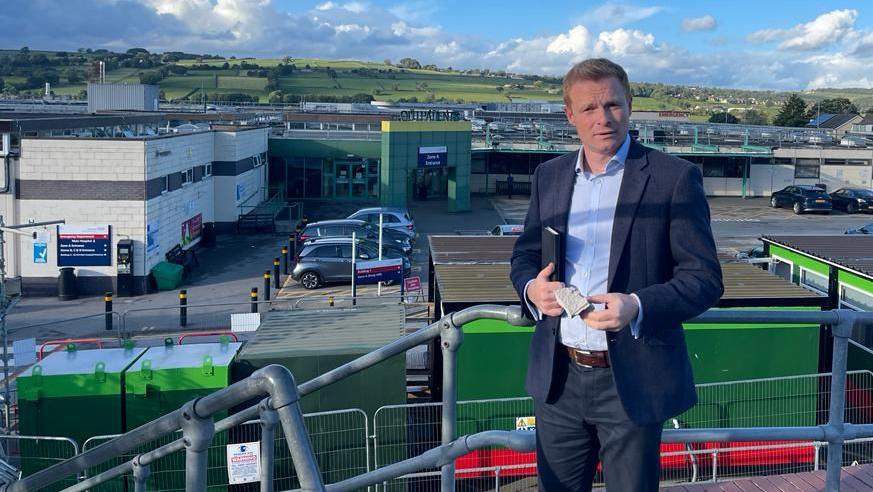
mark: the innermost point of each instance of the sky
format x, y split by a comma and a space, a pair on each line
778, 44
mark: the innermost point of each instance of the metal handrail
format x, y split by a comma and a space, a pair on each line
194, 419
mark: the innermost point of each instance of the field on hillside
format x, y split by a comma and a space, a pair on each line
317, 79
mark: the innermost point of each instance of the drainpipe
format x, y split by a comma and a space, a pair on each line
7, 166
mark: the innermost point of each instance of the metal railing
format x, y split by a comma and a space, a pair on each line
195, 421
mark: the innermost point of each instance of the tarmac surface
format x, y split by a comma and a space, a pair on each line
222, 283
227, 272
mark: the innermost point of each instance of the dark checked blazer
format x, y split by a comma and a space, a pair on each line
662, 250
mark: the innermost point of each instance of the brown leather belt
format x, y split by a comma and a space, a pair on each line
589, 358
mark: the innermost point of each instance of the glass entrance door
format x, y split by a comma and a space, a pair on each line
342, 179
350, 179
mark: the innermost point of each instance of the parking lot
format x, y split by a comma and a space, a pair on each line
736, 222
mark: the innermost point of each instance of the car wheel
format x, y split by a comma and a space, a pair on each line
852, 208
773, 202
310, 280
797, 209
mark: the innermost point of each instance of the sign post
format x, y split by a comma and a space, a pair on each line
371, 272
379, 287
354, 271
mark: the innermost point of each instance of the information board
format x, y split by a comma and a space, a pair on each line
371, 272
433, 157
84, 246
243, 462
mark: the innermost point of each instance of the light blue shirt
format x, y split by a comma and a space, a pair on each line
588, 244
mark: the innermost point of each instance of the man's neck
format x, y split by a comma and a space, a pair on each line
595, 163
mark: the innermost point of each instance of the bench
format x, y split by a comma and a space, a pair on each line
186, 258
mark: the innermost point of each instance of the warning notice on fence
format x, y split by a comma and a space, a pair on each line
243, 462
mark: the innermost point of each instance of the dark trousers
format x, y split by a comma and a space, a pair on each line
583, 423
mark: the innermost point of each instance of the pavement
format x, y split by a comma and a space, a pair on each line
222, 283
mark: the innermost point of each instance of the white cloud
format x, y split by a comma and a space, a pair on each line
824, 30
705, 23
573, 42
625, 42
356, 7
619, 14
326, 6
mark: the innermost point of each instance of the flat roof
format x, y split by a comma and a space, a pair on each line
475, 284
11, 121
471, 249
745, 284
848, 251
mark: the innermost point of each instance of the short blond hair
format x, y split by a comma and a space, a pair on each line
595, 69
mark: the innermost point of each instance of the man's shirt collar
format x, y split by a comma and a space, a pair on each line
615, 162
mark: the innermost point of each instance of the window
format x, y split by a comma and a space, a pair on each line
782, 268
330, 231
857, 162
324, 252
207, 170
814, 281
166, 186
187, 176
835, 162
783, 161
346, 251
807, 171
856, 298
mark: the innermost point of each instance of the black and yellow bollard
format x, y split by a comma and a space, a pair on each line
285, 259
266, 285
107, 302
330, 301
254, 297
276, 277
183, 310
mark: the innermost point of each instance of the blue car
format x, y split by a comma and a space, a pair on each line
802, 198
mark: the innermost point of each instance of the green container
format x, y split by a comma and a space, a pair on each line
311, 343
168, 275
483, 371
163, 380
76, 394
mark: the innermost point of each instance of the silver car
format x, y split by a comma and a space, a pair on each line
329, 260
397, 219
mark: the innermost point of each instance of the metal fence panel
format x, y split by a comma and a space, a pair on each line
339, 440
31, 454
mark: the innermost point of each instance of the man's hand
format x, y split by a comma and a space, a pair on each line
541, 292
619, 310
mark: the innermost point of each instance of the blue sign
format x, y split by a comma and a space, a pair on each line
84, 246
433, 157
40, 253
371, 272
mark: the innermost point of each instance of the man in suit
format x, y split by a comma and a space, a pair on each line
637, 240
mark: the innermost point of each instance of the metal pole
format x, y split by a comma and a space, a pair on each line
107, 301
841, 332
183, 310
266, 285
197, 433
451, 338
269, 420
3, 309
379, 284
140, 475
254, 297
301, 449
354, 270
276, 277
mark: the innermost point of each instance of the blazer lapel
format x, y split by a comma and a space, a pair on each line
562, 194
633, 183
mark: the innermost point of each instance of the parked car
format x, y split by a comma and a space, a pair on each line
867, 229
507, 230
396, 219
362, 229
802, 198
329, 260
853, 200
388, 250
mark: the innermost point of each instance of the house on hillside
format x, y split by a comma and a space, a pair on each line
864, 126
839, 123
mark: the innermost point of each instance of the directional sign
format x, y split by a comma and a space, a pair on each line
371, 272
84, 246
432, 157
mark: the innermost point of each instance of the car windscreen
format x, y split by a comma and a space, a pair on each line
812, 192
864, 193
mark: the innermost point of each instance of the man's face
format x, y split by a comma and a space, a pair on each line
600, 110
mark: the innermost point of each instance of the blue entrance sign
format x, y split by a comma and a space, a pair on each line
433, 157
371, 272
84, 246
